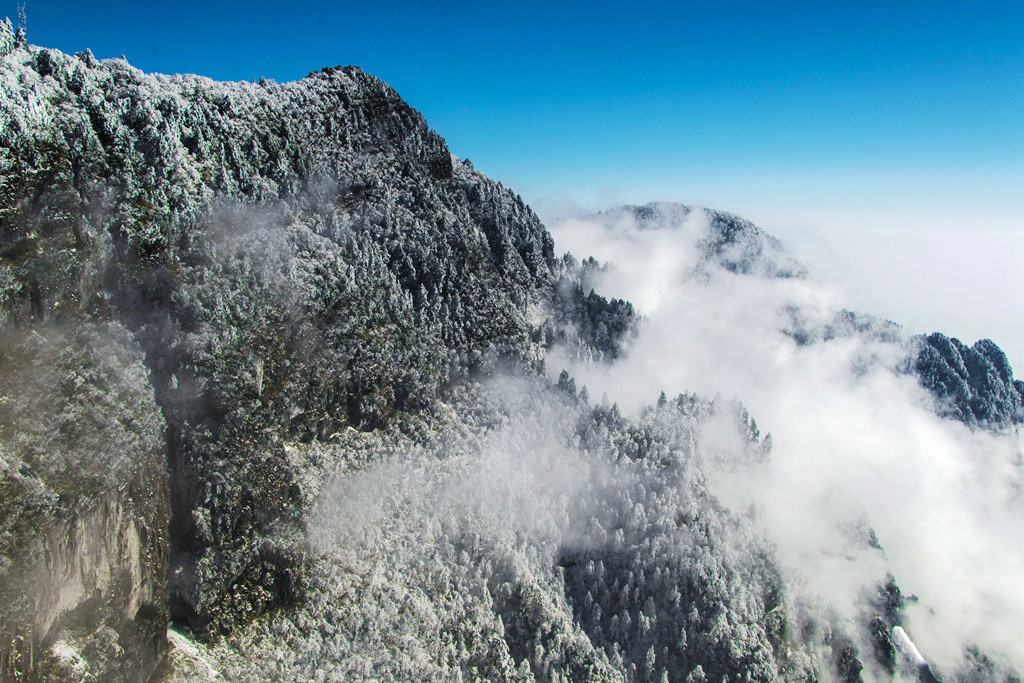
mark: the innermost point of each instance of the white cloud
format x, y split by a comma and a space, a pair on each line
853, 439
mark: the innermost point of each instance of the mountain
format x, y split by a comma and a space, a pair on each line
727, 240
275, 373
273, 263
972, 384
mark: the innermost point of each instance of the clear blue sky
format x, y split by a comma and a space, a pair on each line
853, 121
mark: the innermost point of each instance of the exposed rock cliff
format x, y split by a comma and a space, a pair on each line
84, 508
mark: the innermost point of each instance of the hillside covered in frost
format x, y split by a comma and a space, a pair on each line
282, 375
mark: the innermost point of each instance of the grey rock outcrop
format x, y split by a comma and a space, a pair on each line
84, 507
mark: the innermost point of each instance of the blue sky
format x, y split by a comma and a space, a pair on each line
872, 134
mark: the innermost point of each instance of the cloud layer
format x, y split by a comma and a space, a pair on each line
855, 440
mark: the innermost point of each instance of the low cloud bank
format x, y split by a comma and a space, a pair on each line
856, 440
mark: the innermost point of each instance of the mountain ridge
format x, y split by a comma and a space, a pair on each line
308, 308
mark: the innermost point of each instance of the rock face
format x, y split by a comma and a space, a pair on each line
84, 506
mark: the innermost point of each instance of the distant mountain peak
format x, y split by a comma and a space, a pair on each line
732, 242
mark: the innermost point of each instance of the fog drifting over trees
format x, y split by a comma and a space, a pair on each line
856, 439
283, 374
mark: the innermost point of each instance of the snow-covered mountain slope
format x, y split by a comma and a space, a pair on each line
287, 374
292, 261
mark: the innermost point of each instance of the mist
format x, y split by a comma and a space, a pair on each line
939, 254
855, 439
519, 529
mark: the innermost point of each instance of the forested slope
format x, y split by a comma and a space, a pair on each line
279, 368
